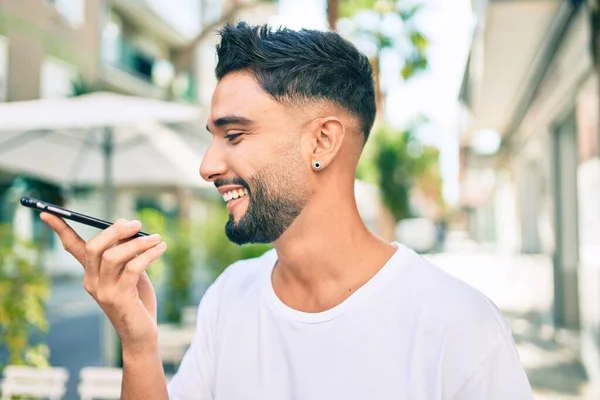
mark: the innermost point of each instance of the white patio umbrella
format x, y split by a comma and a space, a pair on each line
103, 139
95, 110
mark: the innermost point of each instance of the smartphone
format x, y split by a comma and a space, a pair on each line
53, 209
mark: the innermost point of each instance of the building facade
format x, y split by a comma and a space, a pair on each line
119, 45
532, 78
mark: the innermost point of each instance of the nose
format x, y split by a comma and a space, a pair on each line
213, 164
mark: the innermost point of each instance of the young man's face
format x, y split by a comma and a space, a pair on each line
255, 159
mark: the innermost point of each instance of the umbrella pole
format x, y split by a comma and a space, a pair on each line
108, 150
110, 336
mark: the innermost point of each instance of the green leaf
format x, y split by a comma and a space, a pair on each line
407, 71
413, 65
350, 7
410, 12
396, 172
420, 42
384, 41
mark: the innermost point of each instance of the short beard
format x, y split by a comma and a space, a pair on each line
276, 198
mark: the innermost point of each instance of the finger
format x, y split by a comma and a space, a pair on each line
115, 258
137, 266
147, 294
95, 247
71, 241
121, 230
124, 241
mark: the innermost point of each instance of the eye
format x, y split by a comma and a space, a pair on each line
233, 138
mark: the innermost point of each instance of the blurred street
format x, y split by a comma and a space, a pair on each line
490, 169
75, 326
521, 286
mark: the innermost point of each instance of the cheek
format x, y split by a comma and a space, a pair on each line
242, 162
291, 172
260, 153
250, 153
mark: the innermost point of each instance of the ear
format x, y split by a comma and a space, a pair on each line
327, 140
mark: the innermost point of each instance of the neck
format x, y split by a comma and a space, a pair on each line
326, 254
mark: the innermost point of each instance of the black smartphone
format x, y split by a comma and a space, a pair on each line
50, 208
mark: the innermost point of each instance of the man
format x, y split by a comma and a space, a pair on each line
333, 312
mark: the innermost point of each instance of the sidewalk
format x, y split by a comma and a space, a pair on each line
521, 286
553, 369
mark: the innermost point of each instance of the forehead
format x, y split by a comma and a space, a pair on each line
237, 93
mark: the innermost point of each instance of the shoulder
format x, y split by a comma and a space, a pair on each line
451, 300
471, 327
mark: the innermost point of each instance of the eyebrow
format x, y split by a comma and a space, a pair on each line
230, 119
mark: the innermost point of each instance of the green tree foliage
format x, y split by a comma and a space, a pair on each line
176, 268
386, 25
24, 289
397, 162
393, 159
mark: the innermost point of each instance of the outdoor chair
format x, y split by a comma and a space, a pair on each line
100, 383
41, 383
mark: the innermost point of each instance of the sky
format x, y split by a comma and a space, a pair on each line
449, 25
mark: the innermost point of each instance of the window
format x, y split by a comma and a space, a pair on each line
111, 39
135, 52
183, 15
57, 78
73, 11
135, 60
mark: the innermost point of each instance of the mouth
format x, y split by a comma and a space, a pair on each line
234, 194
234, 198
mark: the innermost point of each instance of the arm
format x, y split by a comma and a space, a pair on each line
143, 375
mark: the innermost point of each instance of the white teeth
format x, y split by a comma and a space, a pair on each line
234, 194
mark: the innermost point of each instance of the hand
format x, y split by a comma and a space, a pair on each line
115, 276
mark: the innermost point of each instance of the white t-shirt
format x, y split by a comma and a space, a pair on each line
411, 332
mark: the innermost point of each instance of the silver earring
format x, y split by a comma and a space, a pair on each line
316, 165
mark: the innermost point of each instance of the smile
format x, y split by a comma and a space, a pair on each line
234, 194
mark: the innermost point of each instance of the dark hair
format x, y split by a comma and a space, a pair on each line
295, 66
